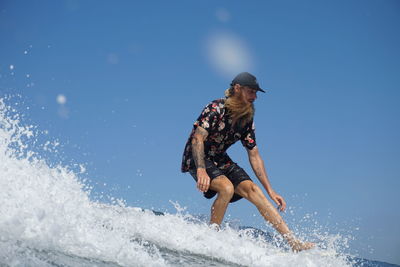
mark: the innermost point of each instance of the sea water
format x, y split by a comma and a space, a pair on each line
48, 218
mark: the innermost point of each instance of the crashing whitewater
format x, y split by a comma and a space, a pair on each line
48, 218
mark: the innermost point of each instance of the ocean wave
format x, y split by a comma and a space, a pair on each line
48, 218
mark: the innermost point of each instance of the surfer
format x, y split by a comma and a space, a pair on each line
222, 123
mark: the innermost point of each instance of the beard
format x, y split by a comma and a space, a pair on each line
240, 111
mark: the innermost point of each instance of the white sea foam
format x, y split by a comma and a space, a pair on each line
47, 218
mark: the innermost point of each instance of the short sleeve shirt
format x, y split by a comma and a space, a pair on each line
221, 135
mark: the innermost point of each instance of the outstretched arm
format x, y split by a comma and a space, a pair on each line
258, 166
203, 180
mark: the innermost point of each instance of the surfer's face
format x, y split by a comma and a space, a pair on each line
248, 95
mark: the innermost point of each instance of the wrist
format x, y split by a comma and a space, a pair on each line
201, 169
271, 192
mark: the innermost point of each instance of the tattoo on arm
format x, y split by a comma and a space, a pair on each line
258, 172
256, 163
198, 153
198, 147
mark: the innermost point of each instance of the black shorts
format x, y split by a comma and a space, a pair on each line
234, 173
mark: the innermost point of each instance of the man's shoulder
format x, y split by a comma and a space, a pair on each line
216, 105
220, 103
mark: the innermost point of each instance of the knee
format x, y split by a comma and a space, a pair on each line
252, 191
226, 191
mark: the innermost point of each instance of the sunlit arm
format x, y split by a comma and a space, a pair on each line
203, 180
257, 164
198, 139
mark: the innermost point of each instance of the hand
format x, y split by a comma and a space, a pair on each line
203, 180
278, 200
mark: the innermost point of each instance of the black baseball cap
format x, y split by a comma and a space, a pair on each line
247, 79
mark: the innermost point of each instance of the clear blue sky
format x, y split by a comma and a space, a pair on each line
136, 74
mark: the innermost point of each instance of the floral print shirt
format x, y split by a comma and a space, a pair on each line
221, 135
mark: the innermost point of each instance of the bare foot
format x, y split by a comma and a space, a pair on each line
215, 227
298, 246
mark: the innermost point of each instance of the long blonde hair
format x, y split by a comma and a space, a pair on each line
240, 112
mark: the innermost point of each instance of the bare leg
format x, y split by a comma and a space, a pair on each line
225, 190
253, 193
